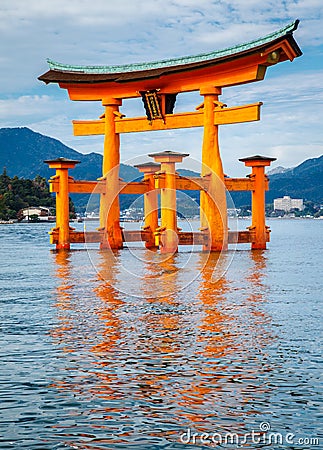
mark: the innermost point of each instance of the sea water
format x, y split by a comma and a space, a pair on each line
103, 350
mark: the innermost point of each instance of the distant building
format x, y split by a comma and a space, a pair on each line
286, 203
42, 212
233, 212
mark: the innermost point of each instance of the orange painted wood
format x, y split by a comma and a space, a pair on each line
202, 183
192, 238
239, 184
213, 208
80, 186
184, 238
137, 235
237, 114
191, 183
171, 121
151, 208
109, 202
62, 210
134, 187
79, 237
168, 239
258, 209
223, 116
142, 187
99, 187
88, 127
231, 73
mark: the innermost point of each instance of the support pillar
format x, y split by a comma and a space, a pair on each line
213, 203
258, 226
169, 238
150, 201
109, 202
62, 200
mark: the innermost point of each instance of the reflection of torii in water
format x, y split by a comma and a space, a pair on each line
158, 84
174, 359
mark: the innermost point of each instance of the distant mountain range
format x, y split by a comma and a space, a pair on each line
304, 181
22, 152
277, 170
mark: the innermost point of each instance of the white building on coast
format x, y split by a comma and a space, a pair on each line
286, 203
41, 212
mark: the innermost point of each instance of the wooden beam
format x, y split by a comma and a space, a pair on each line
201, 238
88, 127
202, 183
136, 235
170, 121
81, 237
235, 114
239, 237
239, 184
98, 187
192, 183
141, 187
244, 237
77, 237
192, 238
80, 186
184, 183
185, 238
242, 184
134, 187
137, 124
238, 71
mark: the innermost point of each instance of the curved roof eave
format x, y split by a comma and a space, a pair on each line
61, 72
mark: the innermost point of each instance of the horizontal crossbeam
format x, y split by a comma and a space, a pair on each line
185, 238
141, 187
222, 116
99, 187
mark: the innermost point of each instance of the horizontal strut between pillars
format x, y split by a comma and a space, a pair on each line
185, 238
98, 187
141, 187
222, 116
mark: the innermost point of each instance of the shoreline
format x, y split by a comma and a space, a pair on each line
190, 219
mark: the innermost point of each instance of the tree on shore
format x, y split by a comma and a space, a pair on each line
19, 193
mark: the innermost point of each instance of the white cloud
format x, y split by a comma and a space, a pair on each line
104, 32
107, 32
289, 128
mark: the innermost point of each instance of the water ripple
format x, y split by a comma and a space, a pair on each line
85, 366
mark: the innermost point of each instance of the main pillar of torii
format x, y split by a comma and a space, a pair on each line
157, 84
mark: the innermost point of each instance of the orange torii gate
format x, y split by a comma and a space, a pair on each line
158, 84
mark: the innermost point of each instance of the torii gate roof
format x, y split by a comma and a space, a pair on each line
147, 72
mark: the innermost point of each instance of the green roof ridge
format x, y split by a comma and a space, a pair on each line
288, 29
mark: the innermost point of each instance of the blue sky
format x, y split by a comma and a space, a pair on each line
125, 31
